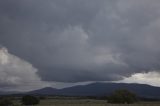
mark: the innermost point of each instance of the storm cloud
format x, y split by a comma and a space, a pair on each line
83, 40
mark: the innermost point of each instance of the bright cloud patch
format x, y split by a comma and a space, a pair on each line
151, 78
17, 73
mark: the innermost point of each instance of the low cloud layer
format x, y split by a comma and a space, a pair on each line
82, 40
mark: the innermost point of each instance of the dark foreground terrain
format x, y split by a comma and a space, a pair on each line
88, 102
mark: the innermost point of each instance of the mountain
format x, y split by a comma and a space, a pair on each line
8, 92
101, 89
45, 91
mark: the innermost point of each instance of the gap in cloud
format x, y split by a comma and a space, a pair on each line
150, 78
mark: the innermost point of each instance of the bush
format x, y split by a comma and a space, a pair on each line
42, 97
122, 96
6, 102
30, 100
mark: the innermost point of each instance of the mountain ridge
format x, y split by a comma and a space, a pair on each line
101, 89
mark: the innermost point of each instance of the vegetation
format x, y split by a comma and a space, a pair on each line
68, 101
89, 102
117, 98
122, 97
30, 100
6, 102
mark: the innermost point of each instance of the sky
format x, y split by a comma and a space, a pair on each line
62, 43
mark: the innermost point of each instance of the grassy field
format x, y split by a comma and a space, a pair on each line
89, 102
85, 102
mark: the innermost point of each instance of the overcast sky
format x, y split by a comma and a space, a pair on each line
74, 41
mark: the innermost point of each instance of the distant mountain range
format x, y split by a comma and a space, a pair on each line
101, 89
8, 92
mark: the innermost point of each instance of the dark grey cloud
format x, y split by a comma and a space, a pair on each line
83, 40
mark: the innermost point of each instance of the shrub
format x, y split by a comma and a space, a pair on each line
6, 102
122, 96
30, 100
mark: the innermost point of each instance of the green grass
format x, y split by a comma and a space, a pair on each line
88, 102
59, 102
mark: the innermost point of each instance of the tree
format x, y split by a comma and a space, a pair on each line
6, 102
122, 96
30, 100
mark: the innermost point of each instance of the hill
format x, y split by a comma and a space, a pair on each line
101, 89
